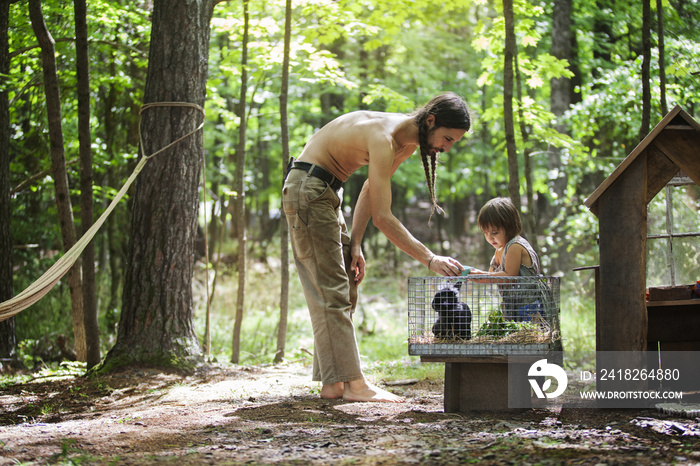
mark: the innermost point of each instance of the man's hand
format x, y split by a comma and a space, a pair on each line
357, 266
445, 266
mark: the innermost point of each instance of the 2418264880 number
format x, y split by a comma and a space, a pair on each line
639, 374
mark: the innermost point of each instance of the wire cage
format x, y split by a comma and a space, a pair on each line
482, 315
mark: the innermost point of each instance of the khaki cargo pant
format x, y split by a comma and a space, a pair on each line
321, 248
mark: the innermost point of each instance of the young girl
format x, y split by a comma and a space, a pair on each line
500, 222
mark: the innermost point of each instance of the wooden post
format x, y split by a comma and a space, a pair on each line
622, 317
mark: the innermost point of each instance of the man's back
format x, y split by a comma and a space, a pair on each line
342, 146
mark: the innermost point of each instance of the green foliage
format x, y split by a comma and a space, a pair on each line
62, 370
259, 331
497, 326
118, 51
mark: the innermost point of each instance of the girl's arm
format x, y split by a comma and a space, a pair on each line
475, 271
513, 259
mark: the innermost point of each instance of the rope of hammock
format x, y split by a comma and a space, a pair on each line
48, 280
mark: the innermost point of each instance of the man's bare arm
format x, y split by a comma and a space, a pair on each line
360, 219
381, 166
360, 216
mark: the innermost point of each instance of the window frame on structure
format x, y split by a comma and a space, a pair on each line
680, 179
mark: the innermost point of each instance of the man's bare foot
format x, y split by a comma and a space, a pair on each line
360, 390
333, 391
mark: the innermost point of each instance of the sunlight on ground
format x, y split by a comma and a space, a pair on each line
274, 381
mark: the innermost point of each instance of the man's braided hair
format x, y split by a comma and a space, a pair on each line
450, 111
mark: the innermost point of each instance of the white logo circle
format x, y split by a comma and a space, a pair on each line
543, 369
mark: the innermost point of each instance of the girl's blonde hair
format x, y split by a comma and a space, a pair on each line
500, 212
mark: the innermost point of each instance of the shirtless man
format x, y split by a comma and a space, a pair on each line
325, 256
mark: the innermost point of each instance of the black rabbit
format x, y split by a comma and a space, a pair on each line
454, 316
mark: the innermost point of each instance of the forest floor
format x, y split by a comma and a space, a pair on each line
227, 414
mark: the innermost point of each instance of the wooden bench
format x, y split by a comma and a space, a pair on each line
483, 383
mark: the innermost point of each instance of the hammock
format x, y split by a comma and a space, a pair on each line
48, 280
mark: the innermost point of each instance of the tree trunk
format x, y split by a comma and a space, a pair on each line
513, 172
267, 229
646, 75
92, 332
284, 232
560, 96
662, 56
113, 238
156, 327
563, 45
240, 189
58, 167
529, 223
8, 352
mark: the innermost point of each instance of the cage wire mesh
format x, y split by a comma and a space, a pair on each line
483, 315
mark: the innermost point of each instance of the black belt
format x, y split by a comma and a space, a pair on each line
320, 173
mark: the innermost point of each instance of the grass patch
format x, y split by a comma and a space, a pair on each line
406, 369
260, 317
578, 322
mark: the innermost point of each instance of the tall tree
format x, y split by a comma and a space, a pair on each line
508, 114
284, 232
646, 73
58, 168
662, 56
92, 332
560, 99
560, 96
240, 191
529, 223
156, 325
7, 327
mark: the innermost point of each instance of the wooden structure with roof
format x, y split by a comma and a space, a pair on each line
623, 322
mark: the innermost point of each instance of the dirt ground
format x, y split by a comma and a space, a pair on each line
273, 415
